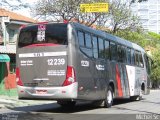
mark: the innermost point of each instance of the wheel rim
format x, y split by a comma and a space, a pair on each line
109, 97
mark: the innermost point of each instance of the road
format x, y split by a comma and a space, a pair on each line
146, 109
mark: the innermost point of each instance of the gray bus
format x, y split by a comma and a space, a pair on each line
69, 62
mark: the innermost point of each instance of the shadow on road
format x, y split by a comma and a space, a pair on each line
55, 108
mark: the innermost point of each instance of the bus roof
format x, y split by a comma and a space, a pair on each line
109, 36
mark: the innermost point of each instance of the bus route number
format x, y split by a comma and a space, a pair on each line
56, 61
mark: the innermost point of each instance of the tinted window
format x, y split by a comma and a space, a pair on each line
136, 58
45, 33
81, 38
113, 51
106, 49
101, 48
141, 63
123, 54
128, 55
85, 43
88, 40
119, 53
87, 51
95, 47
132, 57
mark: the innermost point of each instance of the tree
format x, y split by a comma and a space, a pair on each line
133, 1
57, 10
119, 15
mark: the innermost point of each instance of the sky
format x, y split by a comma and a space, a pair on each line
25, 10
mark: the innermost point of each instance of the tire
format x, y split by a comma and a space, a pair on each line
137, 97
67, 104
99, 103
109, 98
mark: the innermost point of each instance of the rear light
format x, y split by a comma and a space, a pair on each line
70, 76
18, 79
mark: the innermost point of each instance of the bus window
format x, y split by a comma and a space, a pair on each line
119, 54
141, 60
37, 35
95, 47
86, 47
136, 58
128, 55
132, 57
88, 40
101, 48
113, 51
124, 54
81, 38
106, 49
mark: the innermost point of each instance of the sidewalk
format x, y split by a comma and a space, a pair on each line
13, 101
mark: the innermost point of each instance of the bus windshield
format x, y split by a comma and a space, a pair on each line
43, 33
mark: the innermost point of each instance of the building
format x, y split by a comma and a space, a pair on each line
10, 23
149, 13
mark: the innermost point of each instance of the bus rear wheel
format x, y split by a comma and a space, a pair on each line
109, 98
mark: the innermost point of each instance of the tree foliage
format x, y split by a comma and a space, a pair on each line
119, 15
149, 41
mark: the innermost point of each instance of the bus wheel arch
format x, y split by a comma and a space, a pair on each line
142, 88
111, 84
109, 95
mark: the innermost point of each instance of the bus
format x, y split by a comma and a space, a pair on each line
68, 62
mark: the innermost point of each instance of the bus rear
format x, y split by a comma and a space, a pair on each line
42, 67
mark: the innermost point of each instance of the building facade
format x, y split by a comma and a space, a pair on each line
10, 23
149, 13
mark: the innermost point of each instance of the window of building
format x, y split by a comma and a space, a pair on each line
12, 35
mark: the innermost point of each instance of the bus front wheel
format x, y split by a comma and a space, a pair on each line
109, 98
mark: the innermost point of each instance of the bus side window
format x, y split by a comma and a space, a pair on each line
81, 38
128, 55
106, 51
136, 58
141, 63
119, 53
88, 40
132, 57
101, 47
95, 47
113, 51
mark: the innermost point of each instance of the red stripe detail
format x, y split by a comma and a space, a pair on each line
40, 45
118, 79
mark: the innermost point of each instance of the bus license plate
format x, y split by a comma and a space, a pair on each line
41, 92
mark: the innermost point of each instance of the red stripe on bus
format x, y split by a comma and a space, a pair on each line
118, 79
39, 45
